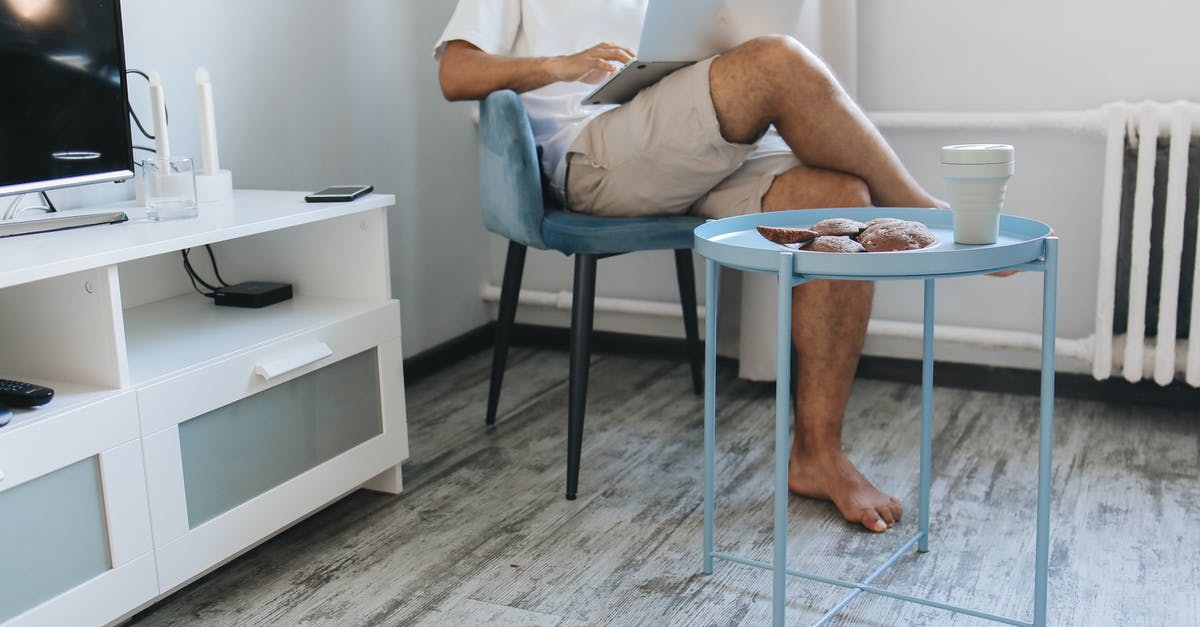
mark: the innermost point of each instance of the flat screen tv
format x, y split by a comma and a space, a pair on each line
63, 111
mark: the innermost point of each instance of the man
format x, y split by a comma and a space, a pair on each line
762, 127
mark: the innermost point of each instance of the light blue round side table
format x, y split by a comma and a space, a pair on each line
733, 242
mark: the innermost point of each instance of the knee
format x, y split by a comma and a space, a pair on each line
777, 47
846, 190
784, 57
805, 187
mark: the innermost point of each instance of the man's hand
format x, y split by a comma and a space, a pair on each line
468, 73
592, 66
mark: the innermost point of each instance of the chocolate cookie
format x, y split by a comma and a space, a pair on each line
838, 226
878, 221
835, 244
902, 235
786, 235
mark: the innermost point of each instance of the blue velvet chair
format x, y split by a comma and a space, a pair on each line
515, 207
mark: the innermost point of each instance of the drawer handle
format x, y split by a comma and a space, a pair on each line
301, 357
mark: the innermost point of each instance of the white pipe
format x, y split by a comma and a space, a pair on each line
1088, 120
1077, 348
1110, 223
562, 300
1080, 348
1173, 223
1092, 120
985, 338
1139, 263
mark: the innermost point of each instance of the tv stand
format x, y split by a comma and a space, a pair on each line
182, 434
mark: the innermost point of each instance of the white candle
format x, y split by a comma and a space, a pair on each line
158, 105
208, 123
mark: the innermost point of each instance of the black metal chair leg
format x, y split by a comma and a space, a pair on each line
582, 309
687, 298
514, 267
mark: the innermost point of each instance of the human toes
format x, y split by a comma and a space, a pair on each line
871, 520
886, 514
897, 508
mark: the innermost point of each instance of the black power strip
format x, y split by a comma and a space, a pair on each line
252, 294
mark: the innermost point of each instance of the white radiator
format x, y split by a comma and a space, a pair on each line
1125, 125
1163, 357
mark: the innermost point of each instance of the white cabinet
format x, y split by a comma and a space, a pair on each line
181, 433
74, 519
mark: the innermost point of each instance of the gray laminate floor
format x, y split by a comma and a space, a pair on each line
482, 534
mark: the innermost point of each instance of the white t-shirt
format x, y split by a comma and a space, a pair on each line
544, 28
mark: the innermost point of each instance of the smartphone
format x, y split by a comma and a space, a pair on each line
340, 193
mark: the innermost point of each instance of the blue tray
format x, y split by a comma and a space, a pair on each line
735, 243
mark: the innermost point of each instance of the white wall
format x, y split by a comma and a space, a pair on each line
1018, 55
311, 93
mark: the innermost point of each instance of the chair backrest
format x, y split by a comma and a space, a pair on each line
509, 173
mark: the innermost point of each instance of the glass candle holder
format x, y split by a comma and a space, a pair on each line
170, 188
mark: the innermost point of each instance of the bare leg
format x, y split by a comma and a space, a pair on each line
775, 80
829, 324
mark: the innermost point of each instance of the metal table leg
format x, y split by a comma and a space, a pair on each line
1046, 431
783, 413
926, 418
710, 407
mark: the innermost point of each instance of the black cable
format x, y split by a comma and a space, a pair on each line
187, 266
49, 204
213, 259
197, 288
138, 122
193, 275
138, 164
191, 270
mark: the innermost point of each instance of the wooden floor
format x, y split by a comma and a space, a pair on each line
482, 534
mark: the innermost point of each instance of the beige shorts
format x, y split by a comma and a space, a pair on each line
662, 154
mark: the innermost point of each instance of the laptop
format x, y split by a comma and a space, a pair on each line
678, 33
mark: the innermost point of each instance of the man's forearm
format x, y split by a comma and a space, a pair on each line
468, 73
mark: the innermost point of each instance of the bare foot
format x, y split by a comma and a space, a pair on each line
831, 476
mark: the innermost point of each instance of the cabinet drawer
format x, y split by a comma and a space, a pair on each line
224, 381
227, 478
77, 542
65, 437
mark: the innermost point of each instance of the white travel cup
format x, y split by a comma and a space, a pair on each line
976, 181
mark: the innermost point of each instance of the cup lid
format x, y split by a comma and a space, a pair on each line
977, 153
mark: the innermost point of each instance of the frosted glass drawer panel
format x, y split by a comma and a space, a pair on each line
225, 375
235, 453
53, 536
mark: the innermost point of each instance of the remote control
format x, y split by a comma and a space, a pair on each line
5, 415
21, 394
